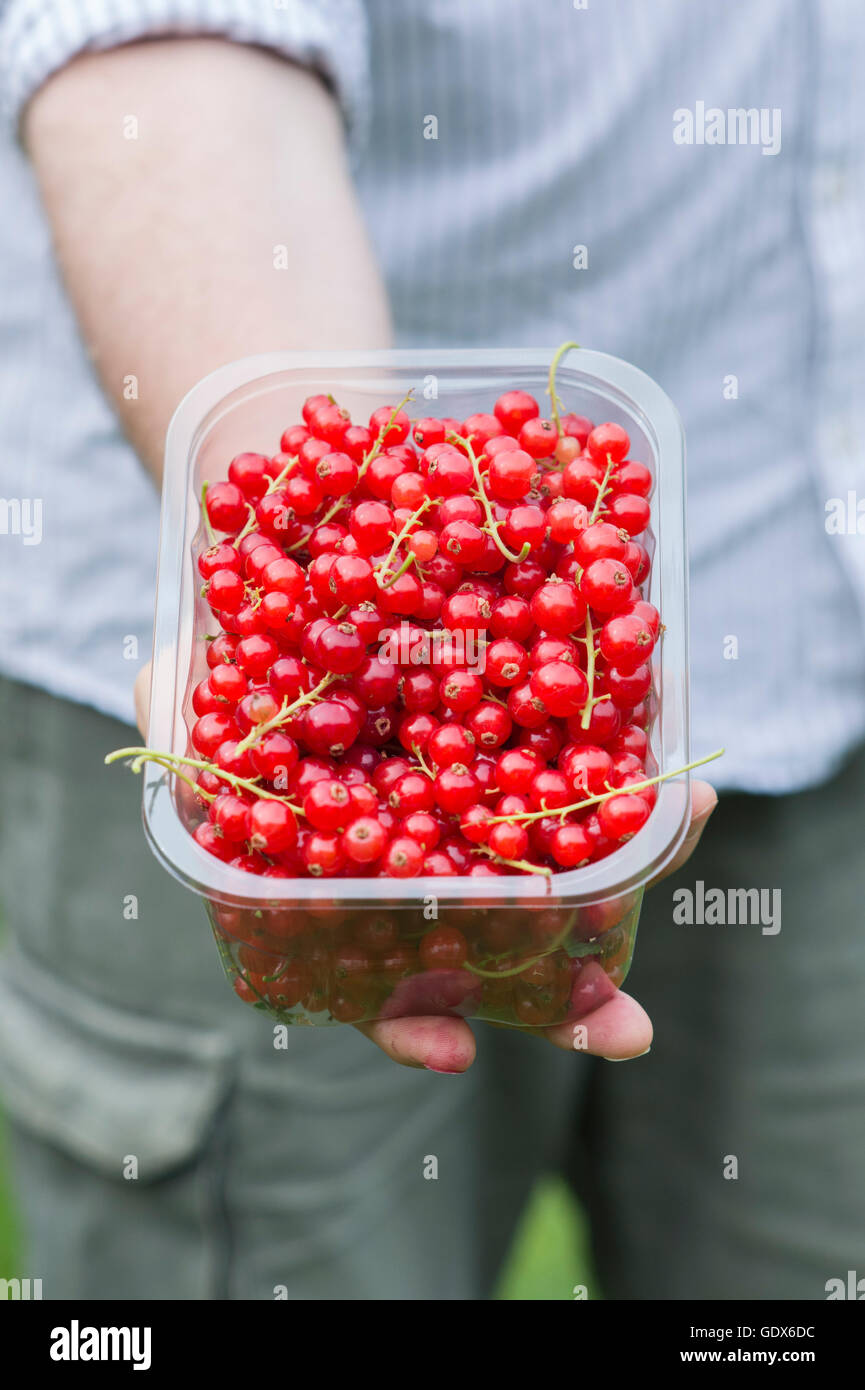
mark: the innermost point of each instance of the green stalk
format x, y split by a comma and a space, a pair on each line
634, 790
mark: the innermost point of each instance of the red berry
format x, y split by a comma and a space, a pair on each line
364, 841
506, 662
525, 525
517, 768
219, 557
225, 591
567, 519
403, 859
210, 731
413, 792
330, 423
511, 617
630, 512
510, 475
255, 655
588, 768
509, 840
558, 608
340, 649
627, 690
443, 948
582, 480
600, 541
570, 846
226, 507
560, 687
393, 431
451, 743
514, 408
371, 523
620, 817
456, 788
251, 473
606, 586
328, 727
336, 474
490, 724
274, 757
428, 431
632, 477
424, 828
608, 443
461, 690
228, 683
462, 540
538, 438
526, 709
475, 824
626, 642
327, 805
272, 827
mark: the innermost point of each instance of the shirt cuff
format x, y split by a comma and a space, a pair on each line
37, 37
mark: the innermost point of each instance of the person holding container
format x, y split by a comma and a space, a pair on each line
194, 182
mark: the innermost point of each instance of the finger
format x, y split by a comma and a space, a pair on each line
439, 1044
616, 1030
142, 697
704, 799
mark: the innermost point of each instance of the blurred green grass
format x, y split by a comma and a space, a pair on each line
8, 1223
550, 1253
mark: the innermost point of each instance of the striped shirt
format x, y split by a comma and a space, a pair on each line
678, 184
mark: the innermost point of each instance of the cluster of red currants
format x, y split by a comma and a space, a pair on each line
334, 737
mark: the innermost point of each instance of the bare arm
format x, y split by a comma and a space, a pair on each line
166, 241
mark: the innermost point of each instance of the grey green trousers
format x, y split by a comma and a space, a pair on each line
163, 1149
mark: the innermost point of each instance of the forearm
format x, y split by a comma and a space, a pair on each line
166, 242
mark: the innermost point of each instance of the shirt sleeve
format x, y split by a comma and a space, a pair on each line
37, 37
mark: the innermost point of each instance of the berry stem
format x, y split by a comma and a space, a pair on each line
328, 516
170, 760
424, 766
555, 403
602, 491
590, 672
281, 476
634, 790
383, 570
525, 864
249, 526
162, 761
520, 969
382, 434
211, 534
492, 526
284, 714
274, 483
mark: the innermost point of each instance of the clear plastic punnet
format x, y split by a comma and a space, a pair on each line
542, 949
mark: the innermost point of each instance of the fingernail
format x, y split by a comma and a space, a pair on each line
442, 1071
628, 1059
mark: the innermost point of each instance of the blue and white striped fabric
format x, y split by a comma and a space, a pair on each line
732, 272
